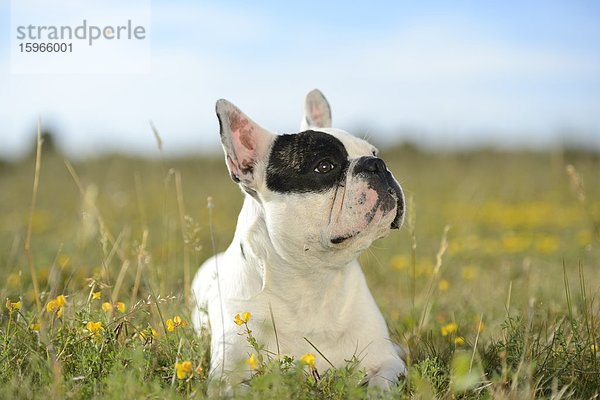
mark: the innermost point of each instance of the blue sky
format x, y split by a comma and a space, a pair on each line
507, 73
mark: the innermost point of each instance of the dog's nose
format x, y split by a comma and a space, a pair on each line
370, 164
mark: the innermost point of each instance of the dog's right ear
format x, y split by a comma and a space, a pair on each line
317, 112
245, 143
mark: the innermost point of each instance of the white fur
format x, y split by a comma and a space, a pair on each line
289, 268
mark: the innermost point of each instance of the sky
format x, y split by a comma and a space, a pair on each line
442, 74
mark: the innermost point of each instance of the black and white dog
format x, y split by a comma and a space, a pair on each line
314, 201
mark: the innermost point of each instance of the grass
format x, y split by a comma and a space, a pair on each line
491, 285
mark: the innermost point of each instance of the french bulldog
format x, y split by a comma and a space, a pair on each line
314, 200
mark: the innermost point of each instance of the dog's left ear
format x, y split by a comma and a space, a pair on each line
317, 112
245, 143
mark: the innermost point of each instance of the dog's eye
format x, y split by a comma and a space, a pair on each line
324, 166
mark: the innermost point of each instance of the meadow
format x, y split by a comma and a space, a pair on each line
491, 285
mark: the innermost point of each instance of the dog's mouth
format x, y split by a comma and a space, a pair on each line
342, 239
398, 198
389, 198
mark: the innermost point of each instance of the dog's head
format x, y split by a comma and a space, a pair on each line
321, 189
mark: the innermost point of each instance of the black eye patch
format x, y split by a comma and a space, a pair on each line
293, 159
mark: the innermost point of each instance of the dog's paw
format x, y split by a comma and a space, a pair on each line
379, 383
387, 375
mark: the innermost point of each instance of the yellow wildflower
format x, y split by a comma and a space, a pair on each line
61, 300
308, 359
459, 340
96, 295
107, 307
242, 319
246, 316
56, 305
183, 369
51, 306
170, 325
176, 322
514, 243
469, 273
443, 285
547, 244
148, 333
449, 329
94, 327
120, 306
179, 322
400, 262
35, 326
252, 362
13, 306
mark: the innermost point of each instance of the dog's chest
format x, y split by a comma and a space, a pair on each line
300, 330
300, 321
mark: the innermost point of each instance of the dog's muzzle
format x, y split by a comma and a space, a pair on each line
381, 180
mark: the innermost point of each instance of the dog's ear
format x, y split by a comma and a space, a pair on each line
317, 112
244, 142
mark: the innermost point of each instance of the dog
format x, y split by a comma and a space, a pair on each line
314, 200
